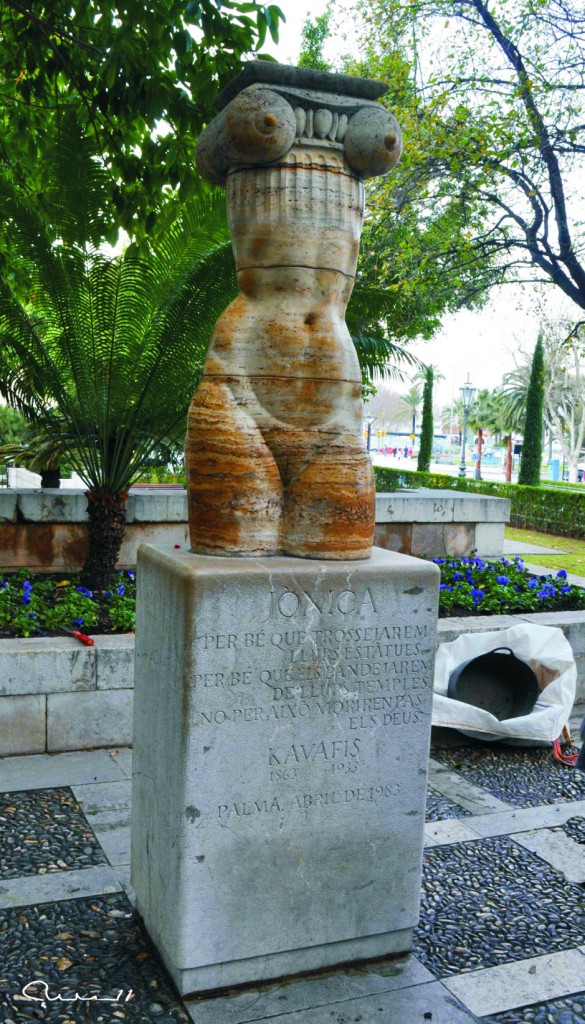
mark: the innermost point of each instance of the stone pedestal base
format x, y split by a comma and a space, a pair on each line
282, 723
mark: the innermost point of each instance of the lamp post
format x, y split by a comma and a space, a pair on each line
369, 420
467, 392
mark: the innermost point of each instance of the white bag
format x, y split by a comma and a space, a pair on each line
550, 657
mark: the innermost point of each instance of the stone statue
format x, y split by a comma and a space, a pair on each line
275, 455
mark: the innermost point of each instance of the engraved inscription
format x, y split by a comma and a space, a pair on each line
315, 688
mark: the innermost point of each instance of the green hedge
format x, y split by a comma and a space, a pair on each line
548, 510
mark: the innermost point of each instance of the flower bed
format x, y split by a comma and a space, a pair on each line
37, 605
474, 586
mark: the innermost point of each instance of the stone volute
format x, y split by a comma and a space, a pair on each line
275, 455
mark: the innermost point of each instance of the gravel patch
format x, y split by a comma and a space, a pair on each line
492, 902
440, 807
42, 831
575, 829
91, 946
523, 777
570, 1010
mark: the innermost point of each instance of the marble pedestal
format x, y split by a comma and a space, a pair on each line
282, 723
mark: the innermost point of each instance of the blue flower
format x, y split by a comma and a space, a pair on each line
566, 590
4, 585
477, 596
502, 580
546, 591
26, 598
479, 563
120, 589
445, 586
107, 593
562, 574
457, 575
131, 574
85, 592
32, 615
440, 561
452, 565
533, 584
27, 585
78, 622
504, 561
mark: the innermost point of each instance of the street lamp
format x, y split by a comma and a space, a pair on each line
467, 392
369, 420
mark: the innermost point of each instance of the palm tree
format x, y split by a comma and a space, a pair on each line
110, 350
482, 416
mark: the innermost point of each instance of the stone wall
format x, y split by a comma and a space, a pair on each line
47, 529
57, 695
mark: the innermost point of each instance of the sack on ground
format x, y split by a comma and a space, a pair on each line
549, 654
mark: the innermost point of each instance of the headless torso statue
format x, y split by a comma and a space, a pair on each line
275, 454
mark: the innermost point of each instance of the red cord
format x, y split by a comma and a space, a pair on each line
569, 759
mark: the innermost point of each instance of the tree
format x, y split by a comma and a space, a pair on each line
497, 124
142, 79
426, 435
110, 351
313, 36
533, 423
411, 404
564, 389
483, 416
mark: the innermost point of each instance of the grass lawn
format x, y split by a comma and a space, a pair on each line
573, 560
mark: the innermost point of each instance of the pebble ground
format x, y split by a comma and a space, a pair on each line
489, 901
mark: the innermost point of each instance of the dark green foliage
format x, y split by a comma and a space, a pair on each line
426, 433
545, 509
530, 461
313, 37
141, 78
12, 425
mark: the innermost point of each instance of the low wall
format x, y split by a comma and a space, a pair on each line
47, 529
56, 695
438, 523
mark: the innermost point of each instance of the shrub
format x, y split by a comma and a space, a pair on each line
547, 509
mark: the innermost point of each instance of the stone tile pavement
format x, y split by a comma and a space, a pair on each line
501, 938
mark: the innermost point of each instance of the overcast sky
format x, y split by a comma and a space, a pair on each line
479, 344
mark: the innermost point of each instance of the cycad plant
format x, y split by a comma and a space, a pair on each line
108, 350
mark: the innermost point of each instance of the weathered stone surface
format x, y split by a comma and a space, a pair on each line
489, 539
7, 505
52, 505
432, 539
45, 664
281, 720
275, 455
394, 537
79, 721
115, 662
22, 725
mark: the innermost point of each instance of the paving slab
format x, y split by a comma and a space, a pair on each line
106, 806
527, 981
469, 796
43, 771
60, 885
522, 548
267, 1002
441, 833
523, 819
557, 849
414, 1005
